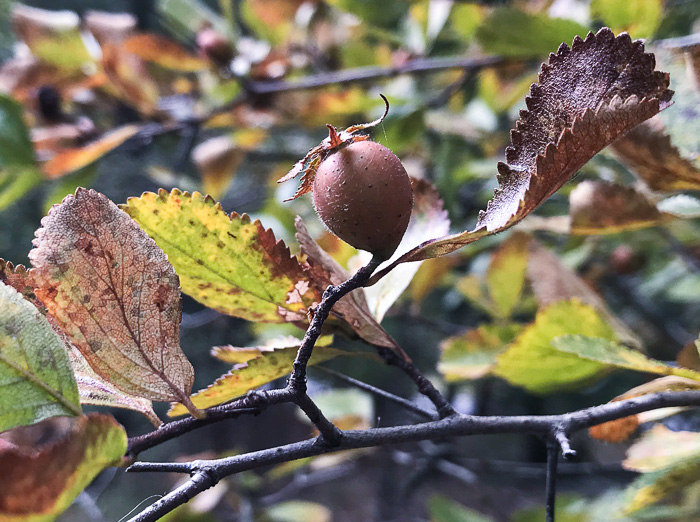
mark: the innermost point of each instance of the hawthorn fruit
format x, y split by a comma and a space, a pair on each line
363, 194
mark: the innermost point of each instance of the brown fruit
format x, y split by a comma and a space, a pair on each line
215, 46
363, 195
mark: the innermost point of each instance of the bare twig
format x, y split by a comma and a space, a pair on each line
453, 426
551, 480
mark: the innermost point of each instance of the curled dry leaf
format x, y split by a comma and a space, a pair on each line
647, 151
47, 465
113, 292
353, 307
586, 96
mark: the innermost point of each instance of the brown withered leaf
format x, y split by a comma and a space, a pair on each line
597, 207
552, 281
353, 307
129, 79
18, 278
648, 152
114, 293
586, 96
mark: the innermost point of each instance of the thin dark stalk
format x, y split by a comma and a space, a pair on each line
413, 408
551, 480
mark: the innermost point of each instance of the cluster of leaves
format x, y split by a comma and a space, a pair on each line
96, 320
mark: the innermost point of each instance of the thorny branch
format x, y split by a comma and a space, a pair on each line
206, 473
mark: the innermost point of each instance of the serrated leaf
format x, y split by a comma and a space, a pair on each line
429, 219
72, 159
227, 263
253, 374
598, 207
611, 353
533, 363
352, 308
47, 465
619, 430
586, 96
506, 273
648, 152
638, 17
512, 32
36, 380
114, 294
473, 354
166, 53
553, 281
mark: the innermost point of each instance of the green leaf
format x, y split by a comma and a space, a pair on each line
506, 273
15, 145
614, 354
47, 465
36, 379
640, 18
253, 374
227, 263
473, 354
443, 509
511, 32
15, 182
533, 363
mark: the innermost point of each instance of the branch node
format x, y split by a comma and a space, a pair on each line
561, 438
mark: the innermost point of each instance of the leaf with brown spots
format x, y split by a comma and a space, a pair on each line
113, 292
265, 366
45, 466
648, 152
586, 96
352, 308
228, 263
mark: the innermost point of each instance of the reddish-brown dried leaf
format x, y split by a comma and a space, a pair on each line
353, 307
586, 96
597, 207
18, 278
112, 290
647, 151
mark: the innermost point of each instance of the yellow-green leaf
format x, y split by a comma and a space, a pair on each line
227, 263
640, 18
36, 380
661, 447
655, 486
472, 354
611, 353
533, 363
252, 375
506, 273
47, 465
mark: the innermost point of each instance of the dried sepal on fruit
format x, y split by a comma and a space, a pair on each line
308, 165
361, 190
